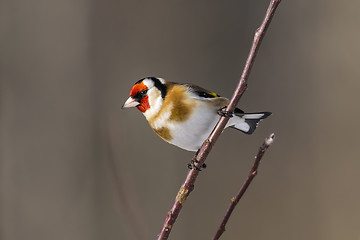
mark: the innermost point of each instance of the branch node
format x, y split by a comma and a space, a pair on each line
269, 140
168, 227
182, 195
257, 33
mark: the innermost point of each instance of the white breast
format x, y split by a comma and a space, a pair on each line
190, 134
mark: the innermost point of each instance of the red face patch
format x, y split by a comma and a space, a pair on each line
144, 102
137, 88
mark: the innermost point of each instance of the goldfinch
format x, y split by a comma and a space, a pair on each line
185, 114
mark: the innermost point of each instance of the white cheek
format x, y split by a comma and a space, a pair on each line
155, 102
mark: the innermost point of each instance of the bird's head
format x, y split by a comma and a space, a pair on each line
147, 95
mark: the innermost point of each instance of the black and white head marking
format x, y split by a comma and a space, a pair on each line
159, 83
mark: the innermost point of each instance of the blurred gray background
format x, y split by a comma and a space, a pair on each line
74, 166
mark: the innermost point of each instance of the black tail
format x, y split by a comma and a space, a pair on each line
247, 122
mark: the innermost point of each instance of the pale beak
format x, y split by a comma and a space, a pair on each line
130, 102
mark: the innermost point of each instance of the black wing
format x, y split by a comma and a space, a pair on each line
201, 92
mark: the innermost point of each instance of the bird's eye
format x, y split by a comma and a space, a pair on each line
143, 93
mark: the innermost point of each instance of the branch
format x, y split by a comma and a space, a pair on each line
234, 201
205, 149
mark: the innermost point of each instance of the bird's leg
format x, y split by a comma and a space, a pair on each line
194, 161
222, 112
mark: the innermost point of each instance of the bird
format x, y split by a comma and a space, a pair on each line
184, 114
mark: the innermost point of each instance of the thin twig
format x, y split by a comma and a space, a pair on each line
234, 201
205, 149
